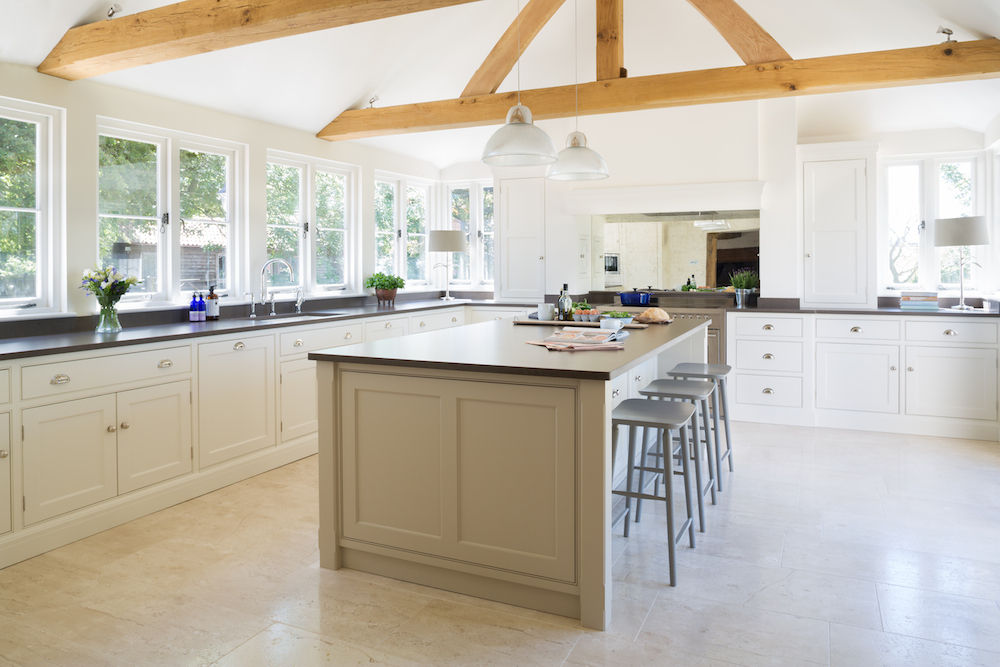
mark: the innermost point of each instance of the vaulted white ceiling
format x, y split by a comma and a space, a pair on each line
306, 80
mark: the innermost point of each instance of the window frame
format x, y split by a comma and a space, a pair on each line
401, 183
477, 232
50, 209
928, 269
172, 142
307, 277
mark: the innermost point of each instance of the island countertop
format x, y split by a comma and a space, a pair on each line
501, 347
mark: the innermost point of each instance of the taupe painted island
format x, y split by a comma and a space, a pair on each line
467, 460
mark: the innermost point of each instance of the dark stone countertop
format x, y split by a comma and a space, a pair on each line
945, 312
501, 347
30, 346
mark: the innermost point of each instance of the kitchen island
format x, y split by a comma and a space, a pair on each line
468, 460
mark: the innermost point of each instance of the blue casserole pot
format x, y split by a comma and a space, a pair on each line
634, 298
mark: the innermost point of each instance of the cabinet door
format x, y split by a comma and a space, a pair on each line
235, 398
857, 377
835, 220
5, 519
522, 234
951, 382
640, 376
154, 435
69, 456
716, 355
298, 399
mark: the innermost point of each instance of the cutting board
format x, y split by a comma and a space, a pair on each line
559, 323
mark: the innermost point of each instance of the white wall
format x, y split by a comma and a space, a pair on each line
780, 229
84, 101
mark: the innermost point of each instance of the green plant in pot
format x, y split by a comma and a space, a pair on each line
385, 286
744, 282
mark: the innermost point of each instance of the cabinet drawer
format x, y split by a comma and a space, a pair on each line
619, 390
434, 320
782, 392
318, 338
64, 377
777, 327
391, 327
4, 386
857, 329
766, 355
951, 332
640, 376
490, 314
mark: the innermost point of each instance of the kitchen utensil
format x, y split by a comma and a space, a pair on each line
634, 298
546, 311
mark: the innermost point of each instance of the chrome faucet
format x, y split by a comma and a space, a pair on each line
263, 285
299, 298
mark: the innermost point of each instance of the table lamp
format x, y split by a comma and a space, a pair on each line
449, 241
970, 230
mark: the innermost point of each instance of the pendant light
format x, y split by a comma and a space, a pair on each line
577, 162
519, 143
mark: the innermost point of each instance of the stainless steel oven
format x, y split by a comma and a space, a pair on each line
612, 270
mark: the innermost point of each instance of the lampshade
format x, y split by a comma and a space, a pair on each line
577, 162
519, 143
447, 240
970, 230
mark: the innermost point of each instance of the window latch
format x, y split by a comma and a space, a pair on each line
305, 229
922, 226
164, 221
479, 234
399, 233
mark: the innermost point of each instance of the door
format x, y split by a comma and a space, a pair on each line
5, 518
298, 399
154, 435
951, 382
522, 238
69, 456
857, 377
235, 398
835, 228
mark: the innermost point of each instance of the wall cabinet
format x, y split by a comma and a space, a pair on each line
951, 382
298, 399
522, 239
69, 453
5, 515
857, 377
235, 398
154, 435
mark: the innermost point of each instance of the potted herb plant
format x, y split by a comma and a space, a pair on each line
744, 282
385, 286
109, 287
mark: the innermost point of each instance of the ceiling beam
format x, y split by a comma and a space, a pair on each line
610, 47
949, 61
510, 46
752, 43
197, 26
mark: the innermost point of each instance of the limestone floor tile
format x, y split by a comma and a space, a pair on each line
953, 619
735, 633
707, 577
822, 596
281, 645
850, 647
603, 649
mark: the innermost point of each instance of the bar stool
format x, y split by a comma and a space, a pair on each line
717, 373
665, 418
698, 393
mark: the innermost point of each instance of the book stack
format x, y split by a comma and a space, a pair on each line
918, 301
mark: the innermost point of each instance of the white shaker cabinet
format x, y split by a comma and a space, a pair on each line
522, 239
837, 223
954, 382
154, 434
5, 516
857, 377
298, 399
235, 398
69, 456
391, 327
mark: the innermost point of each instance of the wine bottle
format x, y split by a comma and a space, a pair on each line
565, 304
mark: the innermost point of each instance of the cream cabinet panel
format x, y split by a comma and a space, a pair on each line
857, 377
310, 339
69, 456
435, 319
951, 382
860, 328
836, 232
640, 376
777, 356
933, 330
775, 391
5, 517
477, 315
435, 441
4, 386
235, 398
392, 327
522, 238
154, 435
298, 399
766, 326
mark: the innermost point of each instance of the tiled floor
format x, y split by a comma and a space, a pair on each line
828, 547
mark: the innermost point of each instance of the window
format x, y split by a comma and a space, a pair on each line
310, 222
142, 172
30, 270
402, 222
916, 192
471, 211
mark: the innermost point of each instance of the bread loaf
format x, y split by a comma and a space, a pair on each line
653, 315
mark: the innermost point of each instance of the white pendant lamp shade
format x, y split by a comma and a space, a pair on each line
519, 143
577, 162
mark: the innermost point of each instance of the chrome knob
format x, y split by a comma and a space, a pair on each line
767, 390
856, 330
768, 327
165, 363
892, 368
454, 319
125, 426
423, 324
615, 393
239, 345
950, 332
909, 368
60, 378
768, 355
112, 428
4, 453
348, 335
388, 325
298, 343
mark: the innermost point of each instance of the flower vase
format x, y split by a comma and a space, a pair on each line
107, 321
